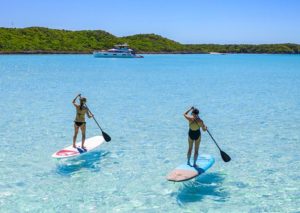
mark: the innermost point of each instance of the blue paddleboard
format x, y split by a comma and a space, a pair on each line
185, 172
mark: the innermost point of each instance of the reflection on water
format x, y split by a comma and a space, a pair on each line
205, 185
90, 161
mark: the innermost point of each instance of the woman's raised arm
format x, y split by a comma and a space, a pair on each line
189, 118
74, 100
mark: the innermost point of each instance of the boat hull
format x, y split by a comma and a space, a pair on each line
115, 55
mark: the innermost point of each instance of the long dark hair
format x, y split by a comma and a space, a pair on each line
196, 113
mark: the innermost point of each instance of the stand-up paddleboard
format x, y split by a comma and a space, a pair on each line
185, 172
70, 151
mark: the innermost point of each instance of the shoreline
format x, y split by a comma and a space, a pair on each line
40, 52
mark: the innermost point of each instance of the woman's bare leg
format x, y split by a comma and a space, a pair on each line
83, 129
189, 153
75, 135
197, 144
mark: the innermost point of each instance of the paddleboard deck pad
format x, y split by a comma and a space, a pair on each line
70, 151
185, 172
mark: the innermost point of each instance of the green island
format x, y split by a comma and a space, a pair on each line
45, 40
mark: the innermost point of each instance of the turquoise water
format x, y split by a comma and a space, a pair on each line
250, 103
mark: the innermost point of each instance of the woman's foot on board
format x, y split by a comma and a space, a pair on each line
195, 165
188, 163
74, 146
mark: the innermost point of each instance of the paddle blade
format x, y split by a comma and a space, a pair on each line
106, 137
225, 157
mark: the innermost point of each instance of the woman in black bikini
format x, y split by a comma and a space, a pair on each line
79, 122
194, 133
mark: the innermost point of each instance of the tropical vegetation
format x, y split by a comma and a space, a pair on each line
45, 40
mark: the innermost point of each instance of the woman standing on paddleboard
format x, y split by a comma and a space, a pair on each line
81, 111
195, 123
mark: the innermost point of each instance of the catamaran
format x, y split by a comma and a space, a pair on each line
119, 51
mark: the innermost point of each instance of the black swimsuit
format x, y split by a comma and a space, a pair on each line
79, 123
194, 135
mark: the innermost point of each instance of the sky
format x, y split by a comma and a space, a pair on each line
185, 21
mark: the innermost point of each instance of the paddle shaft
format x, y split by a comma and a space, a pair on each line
94, 118
224, 156
93, 115
210, 135
213, 139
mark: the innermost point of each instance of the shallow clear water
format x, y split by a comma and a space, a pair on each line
251, 104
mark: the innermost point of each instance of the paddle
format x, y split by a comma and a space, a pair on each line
106, 137
224, 156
